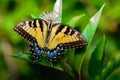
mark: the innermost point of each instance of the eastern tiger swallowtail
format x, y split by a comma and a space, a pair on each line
48, 37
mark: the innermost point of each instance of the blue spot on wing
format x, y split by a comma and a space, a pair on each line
55, 53
49, 54
35, 44
60, 45
37, 50
58, 49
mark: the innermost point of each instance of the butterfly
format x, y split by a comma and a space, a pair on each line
48, 37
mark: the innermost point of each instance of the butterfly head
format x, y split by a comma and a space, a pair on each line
50, 17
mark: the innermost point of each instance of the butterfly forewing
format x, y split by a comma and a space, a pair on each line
33, 29
65, 35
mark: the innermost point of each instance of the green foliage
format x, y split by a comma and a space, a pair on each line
101, 56
96, 60
35, 16
110, 67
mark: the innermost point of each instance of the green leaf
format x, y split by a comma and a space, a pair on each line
96, 60
74, 20
63, 66
35, 16
90, 29
88, 33
23, 56
42, 61
111, 66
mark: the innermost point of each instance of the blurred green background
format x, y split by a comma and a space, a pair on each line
15, 11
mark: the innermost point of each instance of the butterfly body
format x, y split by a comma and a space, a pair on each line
47, 37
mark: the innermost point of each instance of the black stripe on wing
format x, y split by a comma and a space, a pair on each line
71, 38
18, 28
26, 27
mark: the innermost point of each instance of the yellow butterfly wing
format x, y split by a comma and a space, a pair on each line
63, 34
30, 29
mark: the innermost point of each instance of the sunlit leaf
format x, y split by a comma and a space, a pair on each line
90, 29
88, 33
